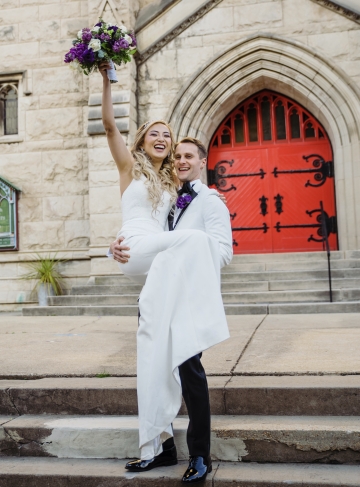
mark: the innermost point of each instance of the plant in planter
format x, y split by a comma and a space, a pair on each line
49, 281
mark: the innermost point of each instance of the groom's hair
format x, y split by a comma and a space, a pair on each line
190, 140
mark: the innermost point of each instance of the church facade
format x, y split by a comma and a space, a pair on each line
272, 87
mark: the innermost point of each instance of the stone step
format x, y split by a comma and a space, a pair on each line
134, 289
62, 472
116, 288
301, 275
293, 266
288, 276
313, 284
128, 310
237, 395
272, 439
313, 308
294, 257
337, 283
288, 296
291, 296
230, 309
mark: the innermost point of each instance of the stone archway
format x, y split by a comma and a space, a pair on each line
290, 68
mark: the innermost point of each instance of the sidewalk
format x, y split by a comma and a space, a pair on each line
84, 346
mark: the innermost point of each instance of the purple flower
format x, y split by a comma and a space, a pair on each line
104, 37
120, 44
86, 35
132, 35
99, 24
114, 28
82, 53
183, 201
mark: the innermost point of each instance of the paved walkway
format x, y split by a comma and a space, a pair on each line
259, 345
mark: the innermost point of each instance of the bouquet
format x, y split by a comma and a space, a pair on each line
104, 42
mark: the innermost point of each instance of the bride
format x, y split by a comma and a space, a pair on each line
181, 309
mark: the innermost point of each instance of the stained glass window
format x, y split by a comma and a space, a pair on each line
266, 121
239, 129
252, 120
280, 121
295, 124
225, 137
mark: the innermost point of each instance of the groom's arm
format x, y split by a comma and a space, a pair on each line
217, 225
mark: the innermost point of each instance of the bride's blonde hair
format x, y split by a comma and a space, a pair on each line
165, 179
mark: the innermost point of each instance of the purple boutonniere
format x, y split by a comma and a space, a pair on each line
183, 201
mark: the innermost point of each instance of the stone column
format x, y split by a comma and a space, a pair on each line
104, 191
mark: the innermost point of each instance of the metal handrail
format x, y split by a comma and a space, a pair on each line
326, 246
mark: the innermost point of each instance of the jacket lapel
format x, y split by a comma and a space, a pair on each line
193, 196
171, 218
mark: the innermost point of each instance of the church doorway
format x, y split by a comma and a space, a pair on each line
274, 162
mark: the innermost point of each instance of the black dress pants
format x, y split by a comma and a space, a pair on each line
196, 396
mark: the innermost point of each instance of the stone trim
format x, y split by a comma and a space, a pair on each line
151, 11
350, 14
293, 69
145, 55
21, 75
121, 104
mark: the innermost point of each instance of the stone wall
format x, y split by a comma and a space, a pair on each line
62, 172
169, 70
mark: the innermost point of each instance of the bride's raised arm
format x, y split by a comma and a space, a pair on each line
119, 151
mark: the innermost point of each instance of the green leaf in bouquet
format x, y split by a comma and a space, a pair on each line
133, 51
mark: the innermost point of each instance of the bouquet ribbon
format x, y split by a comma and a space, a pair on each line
111, 73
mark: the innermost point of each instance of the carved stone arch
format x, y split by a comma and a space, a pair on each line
291, 68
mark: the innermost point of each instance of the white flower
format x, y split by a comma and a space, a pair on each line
128, 39
75, 65
96, 28
79, 34
95, 44
122, 27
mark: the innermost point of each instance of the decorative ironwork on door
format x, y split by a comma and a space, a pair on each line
274, 161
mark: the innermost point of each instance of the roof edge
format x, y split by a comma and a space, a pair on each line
11, 185
340, 9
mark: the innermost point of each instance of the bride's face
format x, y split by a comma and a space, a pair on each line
157, 142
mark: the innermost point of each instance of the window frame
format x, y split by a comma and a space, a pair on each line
21, 81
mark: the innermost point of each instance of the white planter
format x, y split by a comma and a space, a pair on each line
44, 291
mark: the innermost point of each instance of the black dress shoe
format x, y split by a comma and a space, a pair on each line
197, 470
165, 459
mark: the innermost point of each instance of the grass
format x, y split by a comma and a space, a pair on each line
102, 375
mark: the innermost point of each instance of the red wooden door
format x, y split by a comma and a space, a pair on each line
273, 160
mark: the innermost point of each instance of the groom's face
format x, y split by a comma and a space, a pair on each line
188, 163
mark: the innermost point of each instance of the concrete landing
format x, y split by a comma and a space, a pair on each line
84, 346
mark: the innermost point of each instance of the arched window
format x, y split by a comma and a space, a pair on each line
8, 109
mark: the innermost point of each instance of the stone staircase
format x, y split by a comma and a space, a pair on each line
266, 431
252, 284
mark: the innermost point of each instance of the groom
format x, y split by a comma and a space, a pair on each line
199, 208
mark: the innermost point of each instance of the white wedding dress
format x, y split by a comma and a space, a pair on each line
181, 307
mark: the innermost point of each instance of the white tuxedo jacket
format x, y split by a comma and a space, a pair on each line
208, 213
